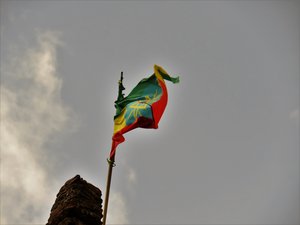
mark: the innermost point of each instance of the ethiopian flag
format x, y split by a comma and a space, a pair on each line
143, 107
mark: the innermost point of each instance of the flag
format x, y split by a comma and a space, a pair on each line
143, 107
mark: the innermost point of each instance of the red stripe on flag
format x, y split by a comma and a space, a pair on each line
159, 107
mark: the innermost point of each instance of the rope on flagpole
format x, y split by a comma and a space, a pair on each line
111, 162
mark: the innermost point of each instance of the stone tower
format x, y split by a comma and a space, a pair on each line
77, 203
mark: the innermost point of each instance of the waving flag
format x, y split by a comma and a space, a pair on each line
143, 107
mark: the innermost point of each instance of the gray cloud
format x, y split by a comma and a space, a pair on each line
31, 113
294, 115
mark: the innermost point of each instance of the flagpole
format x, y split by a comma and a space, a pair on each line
111, 159
111, 164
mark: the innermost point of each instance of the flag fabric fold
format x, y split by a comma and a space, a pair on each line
142, 107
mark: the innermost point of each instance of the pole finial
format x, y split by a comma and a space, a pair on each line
121, 88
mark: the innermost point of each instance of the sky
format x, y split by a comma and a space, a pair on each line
227, 147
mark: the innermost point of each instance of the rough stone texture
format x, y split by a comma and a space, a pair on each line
77, 203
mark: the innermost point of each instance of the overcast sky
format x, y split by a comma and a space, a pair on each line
227, 147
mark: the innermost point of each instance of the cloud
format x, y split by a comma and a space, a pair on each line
31, 113
294, 115
131, 177
117, 212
